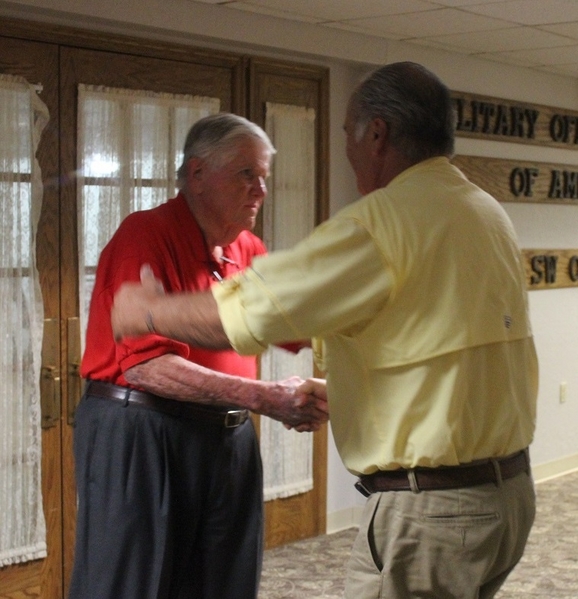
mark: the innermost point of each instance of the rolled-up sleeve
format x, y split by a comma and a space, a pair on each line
227, 295
334, 281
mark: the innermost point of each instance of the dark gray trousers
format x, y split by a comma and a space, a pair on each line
168, 508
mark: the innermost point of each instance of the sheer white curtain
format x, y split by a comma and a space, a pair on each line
23, 116
129, 148
288, 216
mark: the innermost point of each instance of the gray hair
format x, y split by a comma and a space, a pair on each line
414, 103
213, 139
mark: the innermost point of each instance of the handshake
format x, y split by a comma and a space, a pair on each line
299, 404
194, 318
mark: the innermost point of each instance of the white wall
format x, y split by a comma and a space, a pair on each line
554, 312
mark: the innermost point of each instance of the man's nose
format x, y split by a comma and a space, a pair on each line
260, 186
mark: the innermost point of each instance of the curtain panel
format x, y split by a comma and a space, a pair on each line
288, 216
23, 116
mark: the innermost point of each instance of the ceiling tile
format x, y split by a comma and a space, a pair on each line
338, 10
350, 26
529, 12
500, 40
570, 70
547, 56
458, 3
273, 12
507, 58
426, 24
567, 29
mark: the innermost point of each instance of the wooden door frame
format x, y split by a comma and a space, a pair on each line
304, 515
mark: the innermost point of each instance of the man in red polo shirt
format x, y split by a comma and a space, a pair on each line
167, 461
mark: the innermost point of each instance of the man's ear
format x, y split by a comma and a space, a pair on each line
379, 132
195, 174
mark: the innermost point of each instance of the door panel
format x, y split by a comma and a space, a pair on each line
218, 79
304, 515
38, 63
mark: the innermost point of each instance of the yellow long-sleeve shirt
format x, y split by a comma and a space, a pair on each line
417, 296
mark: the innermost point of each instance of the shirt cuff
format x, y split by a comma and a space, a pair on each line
133, 351
231, 312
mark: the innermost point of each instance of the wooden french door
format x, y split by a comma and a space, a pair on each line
127, 71
38, 64
59, 59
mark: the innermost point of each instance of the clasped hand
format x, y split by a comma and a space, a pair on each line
309, 406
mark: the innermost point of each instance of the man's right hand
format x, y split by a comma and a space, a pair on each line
299, 404
313, 390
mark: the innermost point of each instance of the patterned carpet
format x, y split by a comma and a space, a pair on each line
315, 568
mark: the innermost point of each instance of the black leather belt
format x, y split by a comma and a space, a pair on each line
445, 477
181, 409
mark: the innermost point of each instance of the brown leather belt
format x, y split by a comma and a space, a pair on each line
181, 409
445, 477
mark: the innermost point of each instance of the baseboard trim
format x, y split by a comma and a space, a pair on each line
351, 517
555, 468
344, 519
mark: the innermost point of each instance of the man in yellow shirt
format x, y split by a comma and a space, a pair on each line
415, 297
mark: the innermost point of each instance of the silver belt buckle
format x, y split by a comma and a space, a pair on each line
234, 418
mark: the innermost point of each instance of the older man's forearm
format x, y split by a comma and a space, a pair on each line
192, 318
189, 317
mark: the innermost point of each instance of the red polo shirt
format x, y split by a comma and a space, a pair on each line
170, 240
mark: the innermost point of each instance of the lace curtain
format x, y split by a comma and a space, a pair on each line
288, 216
23, 116
129, 148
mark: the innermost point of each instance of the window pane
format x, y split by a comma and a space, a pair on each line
150, 140
101, 147
15, 130
15, 202
101, 217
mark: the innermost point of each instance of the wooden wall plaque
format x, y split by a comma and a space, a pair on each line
551, 269
522, 181
497, 119
508, 120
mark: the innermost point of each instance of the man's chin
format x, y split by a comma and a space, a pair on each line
250, 223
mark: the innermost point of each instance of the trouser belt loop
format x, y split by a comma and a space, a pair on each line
126, 398
411, 477
497, 471
527, 456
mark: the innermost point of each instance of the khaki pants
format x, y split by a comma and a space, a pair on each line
455, 544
